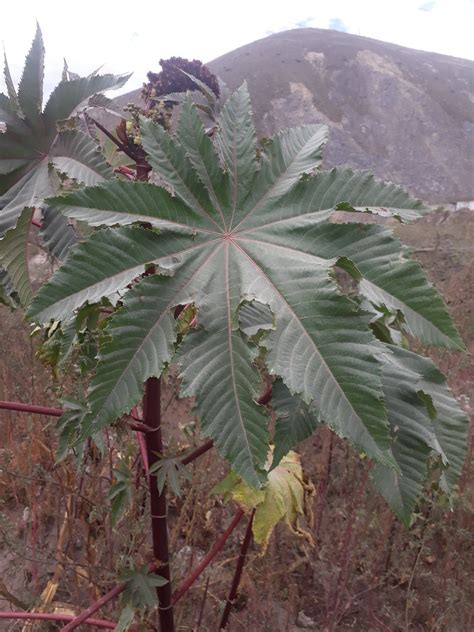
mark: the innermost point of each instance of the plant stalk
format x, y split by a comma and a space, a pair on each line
238, 573
159, 518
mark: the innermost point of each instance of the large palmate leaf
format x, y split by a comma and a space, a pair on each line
32, 140
241, 225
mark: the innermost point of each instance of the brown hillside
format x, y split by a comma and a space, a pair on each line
405, 115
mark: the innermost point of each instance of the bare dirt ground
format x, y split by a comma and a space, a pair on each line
365, 572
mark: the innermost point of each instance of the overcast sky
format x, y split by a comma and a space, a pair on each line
133, 36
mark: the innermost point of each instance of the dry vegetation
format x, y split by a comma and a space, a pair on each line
364, 572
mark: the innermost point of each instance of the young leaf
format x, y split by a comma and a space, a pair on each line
168, 472
141, 586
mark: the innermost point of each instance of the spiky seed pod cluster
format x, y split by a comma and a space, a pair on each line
171, 79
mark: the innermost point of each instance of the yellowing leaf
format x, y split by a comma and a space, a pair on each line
282, 498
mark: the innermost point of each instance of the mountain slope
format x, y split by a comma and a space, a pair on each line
403, 114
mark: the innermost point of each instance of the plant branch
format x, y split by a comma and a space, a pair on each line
29, 408
197, 452
43, 616
84, 616
201, 567
238, 573
139, 426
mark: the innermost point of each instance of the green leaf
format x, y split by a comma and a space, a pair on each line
28, 192
285, 159
126, 618
450, 424
31, 144
323, 193
8, 296
391, 279
408, 379
121, 203
56, 233
168, 472
413, 437
68, 96
237, 145
14, 104
272, 243
69, 427
30, 90
77, 155
107, 262
255, 317
121, 492
295, 421
387, 276
136, 348
169, 159
217, 370
14, 256
141, 586
111, 152
202, 155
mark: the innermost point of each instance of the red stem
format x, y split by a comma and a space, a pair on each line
159, 518
29, 408
42, 616
84, 616
189, 581
116, 142
197, 452
139, 426
238, 573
